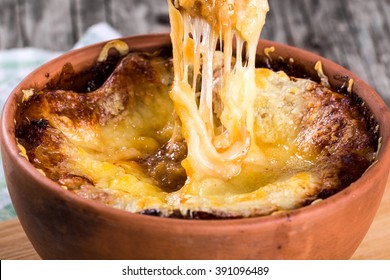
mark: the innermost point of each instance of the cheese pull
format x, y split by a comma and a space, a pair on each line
216, 118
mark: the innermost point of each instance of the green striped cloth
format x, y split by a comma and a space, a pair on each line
15, 64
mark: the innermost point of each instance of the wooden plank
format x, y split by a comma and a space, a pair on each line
317, 26
274, 23
48, 24
14, 242
354, 34
87, 13
342, 46
139, 17
372, 35
159, 12
376, 244
131, 17
10, 31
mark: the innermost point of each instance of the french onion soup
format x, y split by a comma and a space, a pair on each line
206, 129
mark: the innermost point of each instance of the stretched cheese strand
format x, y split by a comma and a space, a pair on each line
218, 142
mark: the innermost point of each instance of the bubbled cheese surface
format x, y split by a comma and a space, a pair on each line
97, 144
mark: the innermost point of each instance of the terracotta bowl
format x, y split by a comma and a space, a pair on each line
61, 225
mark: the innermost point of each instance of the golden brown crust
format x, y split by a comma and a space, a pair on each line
338, 125
334, 129
136, 77
341, 136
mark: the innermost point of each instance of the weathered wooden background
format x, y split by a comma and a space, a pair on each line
353, 33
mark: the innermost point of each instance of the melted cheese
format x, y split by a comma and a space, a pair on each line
302, 147
218, 142
250, 150
282, 181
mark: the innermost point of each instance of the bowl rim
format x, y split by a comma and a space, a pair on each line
380, 111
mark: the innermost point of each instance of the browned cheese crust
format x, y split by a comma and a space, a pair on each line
336, 128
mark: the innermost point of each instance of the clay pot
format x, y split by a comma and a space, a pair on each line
61, 225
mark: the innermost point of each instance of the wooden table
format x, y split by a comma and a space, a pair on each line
353, 33
376, 245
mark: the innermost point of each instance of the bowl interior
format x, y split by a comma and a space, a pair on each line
82, 58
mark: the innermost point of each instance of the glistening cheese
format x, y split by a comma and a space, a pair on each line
252, 141
218, 142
